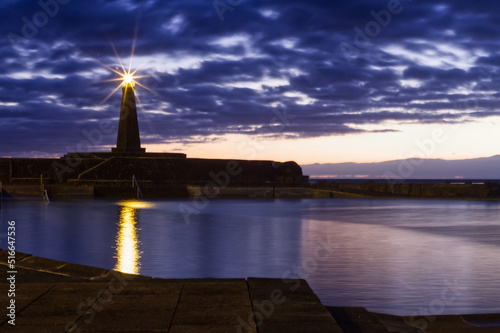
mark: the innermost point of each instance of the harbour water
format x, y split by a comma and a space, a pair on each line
392, 256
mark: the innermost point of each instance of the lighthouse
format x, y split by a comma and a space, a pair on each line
128, 140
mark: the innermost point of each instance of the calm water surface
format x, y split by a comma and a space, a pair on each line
390, 256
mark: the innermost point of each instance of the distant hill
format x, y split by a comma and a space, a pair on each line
477, 168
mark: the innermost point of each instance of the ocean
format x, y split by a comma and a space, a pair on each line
395, 256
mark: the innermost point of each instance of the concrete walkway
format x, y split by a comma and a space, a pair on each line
54, 296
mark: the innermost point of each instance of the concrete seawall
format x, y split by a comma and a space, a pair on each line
156, 175
174, 190
487, 191
412, 190
267, 192
55, 296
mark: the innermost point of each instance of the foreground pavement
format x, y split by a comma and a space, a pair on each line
54, 296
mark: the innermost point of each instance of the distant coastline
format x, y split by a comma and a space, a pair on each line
406, 170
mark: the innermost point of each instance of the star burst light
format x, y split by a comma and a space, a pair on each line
127, 77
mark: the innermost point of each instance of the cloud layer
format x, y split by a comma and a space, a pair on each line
338, 67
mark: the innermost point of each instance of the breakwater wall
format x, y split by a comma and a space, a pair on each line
156, 174
486, 190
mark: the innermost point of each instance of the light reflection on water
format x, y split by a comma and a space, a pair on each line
128, 255
127, 245
391, 256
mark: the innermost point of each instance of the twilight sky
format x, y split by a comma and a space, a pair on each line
310, 81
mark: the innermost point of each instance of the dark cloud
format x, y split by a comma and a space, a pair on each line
433, 62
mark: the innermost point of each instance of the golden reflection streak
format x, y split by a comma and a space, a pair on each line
107, 97
127, 243
117, 57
